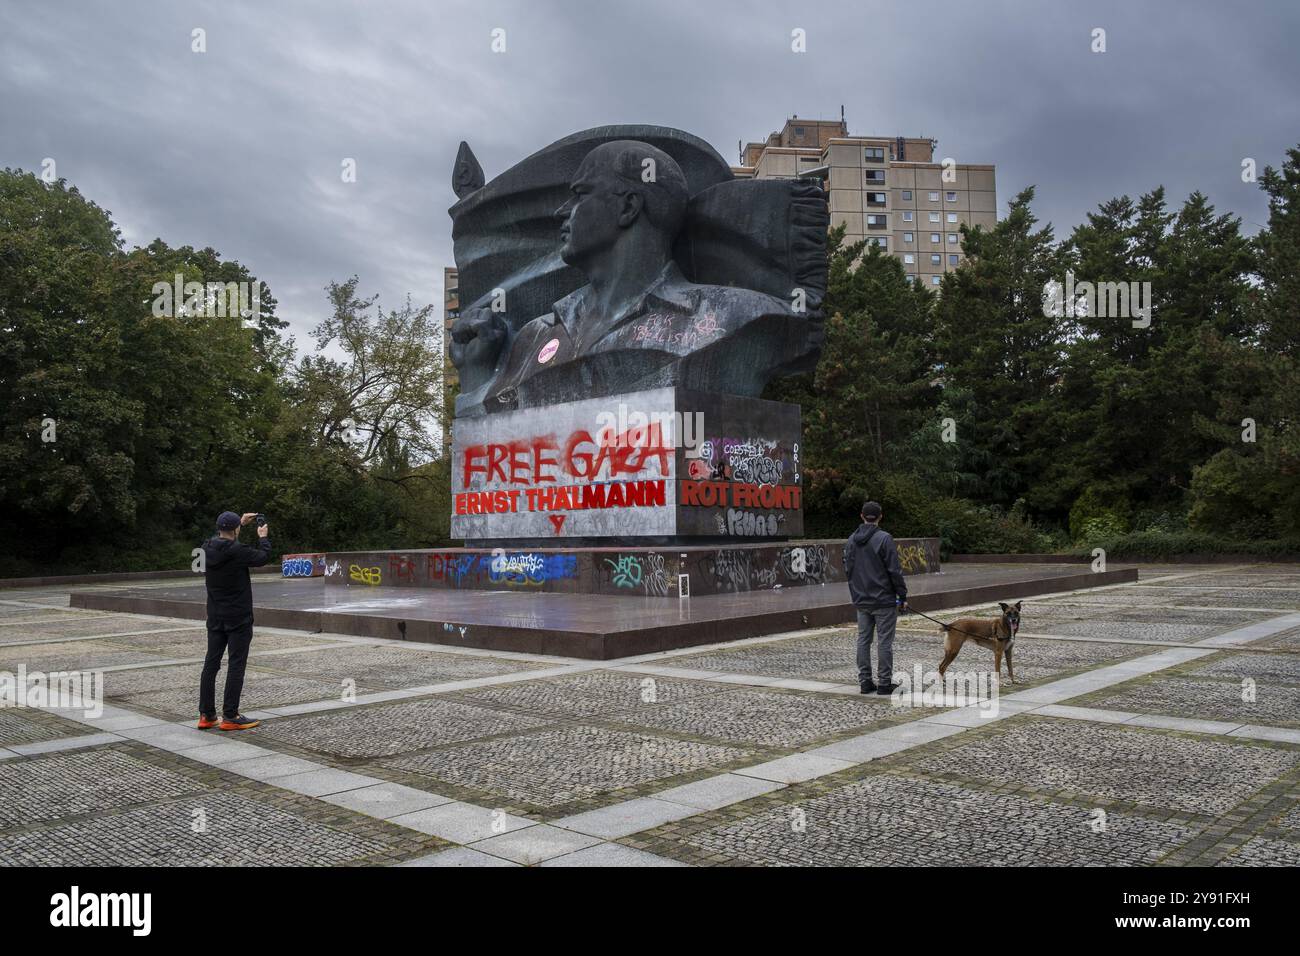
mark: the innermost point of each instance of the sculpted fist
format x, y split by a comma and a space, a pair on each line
477, 338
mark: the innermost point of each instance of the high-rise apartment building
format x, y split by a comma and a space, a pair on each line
888, 190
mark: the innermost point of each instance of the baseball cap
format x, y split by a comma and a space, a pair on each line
871, 509
227, 521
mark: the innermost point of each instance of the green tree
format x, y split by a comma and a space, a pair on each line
869, 406
1001, 352
163, 413
1253, 487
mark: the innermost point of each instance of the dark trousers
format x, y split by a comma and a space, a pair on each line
235, 638
881, 621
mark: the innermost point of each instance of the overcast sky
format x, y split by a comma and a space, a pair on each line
240, 148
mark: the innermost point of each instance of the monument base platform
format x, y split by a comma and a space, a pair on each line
665, 572
590, 626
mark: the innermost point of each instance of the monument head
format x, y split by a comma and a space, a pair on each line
627, 206
663, 270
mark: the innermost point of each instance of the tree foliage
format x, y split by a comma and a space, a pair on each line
159, 422
1072, 426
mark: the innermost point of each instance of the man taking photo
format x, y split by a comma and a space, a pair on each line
230, 616
878, 591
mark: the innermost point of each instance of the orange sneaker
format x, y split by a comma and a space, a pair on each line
206, 723
239, 722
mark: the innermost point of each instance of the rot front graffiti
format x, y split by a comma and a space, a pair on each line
720, 494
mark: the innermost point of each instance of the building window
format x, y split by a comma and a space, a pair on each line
934, 280
908, 237
952, 259
952, 238
952, 217
876, 222
874, 154
910, 278
907, 216
907, 195
798, 131
934, 197
934, 217
875, 199
875, 176
951, 197
935, 239
936, 259
881, 241
909, 258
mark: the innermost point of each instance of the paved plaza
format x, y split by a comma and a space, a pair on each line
1155, 723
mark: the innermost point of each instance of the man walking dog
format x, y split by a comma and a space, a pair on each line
879, 591
230, 616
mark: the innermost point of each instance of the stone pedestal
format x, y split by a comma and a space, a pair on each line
666, 466
692, 570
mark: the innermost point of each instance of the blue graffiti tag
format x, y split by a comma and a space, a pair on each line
297, 568
529, 569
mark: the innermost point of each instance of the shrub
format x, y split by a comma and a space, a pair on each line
1099, 504
1247, 495
1102, 527
1156, 544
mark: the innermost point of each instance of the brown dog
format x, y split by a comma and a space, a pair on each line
998, 635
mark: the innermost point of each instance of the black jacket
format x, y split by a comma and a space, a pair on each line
873, 583
230, 593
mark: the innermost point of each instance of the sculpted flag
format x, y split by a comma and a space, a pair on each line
734, 302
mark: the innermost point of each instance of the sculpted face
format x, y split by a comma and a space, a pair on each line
591, 215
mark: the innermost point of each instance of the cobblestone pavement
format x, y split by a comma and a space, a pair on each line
1232, 701
1155, 724
37, 629
831, 657
573, 766
385, 730
1172, 624
389, 666
1146, 767
133, 806
590, 694
193, 643
888, 820
71, 655
28, 725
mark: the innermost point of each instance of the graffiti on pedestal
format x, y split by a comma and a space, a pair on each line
655, 576
361, 575
530, 569
912, 558
749, 569
750, 484
302, 566
650, 572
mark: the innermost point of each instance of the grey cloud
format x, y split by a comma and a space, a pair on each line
240, 148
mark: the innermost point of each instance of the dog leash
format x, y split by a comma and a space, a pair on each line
949, 627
